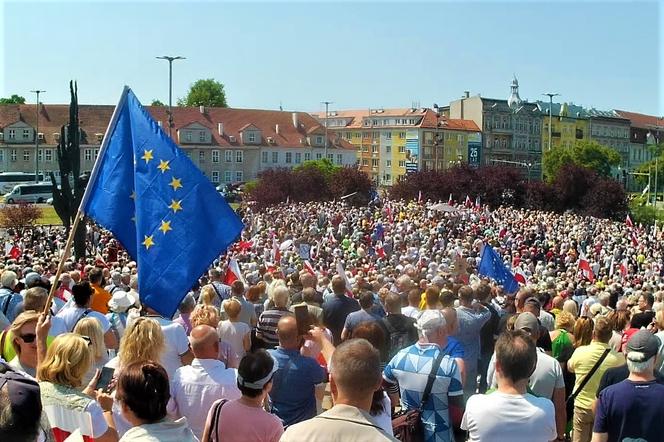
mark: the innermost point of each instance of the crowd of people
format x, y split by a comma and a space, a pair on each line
340, 322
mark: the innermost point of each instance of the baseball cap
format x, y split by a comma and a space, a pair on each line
430, 320
526, 321
23, 392
642, 346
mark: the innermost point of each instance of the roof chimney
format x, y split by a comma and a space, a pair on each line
220, 127
201, 109
466, 94
276, 129
295, 122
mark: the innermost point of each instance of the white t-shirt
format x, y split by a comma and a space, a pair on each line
505, 417
71, 315
234, 333
176, 344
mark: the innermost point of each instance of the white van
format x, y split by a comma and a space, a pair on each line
29, 193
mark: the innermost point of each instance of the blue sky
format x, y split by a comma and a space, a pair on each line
358, 55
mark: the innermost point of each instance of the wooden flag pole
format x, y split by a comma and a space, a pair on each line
63, 258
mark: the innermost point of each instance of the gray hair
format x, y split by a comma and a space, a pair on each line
188, 304
280, 296
640, 367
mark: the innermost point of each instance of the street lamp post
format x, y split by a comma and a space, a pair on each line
170, 88
550, 95
327, 114
37, 91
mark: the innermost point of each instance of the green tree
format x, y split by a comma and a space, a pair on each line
208, 92
654, 165
325, 166
156, 102
14, 99
588, 154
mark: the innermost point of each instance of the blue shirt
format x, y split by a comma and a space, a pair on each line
411, 367
631, 410
454, 348
293, 396
470, 325
9, 303
335, 312
355, 318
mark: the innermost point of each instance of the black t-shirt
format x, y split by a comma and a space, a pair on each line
644, 319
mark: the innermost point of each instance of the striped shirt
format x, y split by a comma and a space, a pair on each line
267, 325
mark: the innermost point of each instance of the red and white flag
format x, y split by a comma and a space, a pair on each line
276, 252
520, 276
308, 267
450, 200
586, 270
419, 197
635, 242
628, 221
468, 202
623, 268
380, 251
12, 250
390, 216
477, 202
233, 272
342, 273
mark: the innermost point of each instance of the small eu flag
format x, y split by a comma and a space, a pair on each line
492, 265
160, 206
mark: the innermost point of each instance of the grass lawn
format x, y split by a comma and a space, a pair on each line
48, 217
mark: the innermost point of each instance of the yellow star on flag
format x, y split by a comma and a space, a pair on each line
147, 156
176, 183
148, 242
163, 166
175, 205
165, 226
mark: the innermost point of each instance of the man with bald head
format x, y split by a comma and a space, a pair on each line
195, 387
293, 385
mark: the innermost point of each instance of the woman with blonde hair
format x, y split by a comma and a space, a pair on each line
91, 328
234, 331
570, 306
60, 374
23, 339
209, 315
583, 331
562, 337
208, 295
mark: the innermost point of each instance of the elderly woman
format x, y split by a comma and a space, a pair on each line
209, 315
60, 376
562, 337
22, 334
266, 330
143, 393
118, 308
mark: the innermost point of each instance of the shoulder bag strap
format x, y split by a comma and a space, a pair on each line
83, 315
8, 298
589, 375
432, 378
216, 291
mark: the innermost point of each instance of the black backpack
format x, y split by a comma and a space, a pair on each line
397, 339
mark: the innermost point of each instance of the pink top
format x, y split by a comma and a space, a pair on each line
241, 423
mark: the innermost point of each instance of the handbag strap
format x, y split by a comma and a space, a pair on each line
215, 419
432, 378
589, 375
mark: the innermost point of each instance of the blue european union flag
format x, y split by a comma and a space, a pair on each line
165, 212
492, 265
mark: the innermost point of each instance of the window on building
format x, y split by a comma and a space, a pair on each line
388, 177
26, 155
251, 137
319, 156
201, 156
298, 157
388, 135
215, 156
215, 176
365, 162
227, 176
340, 158
40, 155
319, 140
374, 162
365, 135
49, 155
187, 136
201, 136
388, 149
264, 157
239, 156
239, 175
275, 157
228, 156
12, 134
289, 157
13, 155
402, 149
358, 135
388, 163
402, 163
307, 156
402, 135
348, 135
374, 148
26, 134
2, 155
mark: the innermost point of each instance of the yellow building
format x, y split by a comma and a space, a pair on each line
569, 124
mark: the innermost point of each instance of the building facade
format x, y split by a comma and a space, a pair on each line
227, 145
569, 124
511, 129
393, 142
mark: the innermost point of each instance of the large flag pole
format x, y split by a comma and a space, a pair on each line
84, 199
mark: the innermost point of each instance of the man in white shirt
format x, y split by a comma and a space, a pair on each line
195, 387
510, 413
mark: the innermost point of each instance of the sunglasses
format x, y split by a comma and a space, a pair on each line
28, 338
87, 339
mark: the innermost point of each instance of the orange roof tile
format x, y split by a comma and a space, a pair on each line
642, 120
